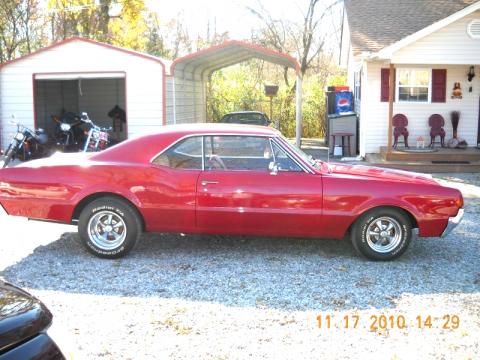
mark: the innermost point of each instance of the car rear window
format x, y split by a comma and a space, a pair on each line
186, 154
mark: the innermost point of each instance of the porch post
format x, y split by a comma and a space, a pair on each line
298, 110
391, 88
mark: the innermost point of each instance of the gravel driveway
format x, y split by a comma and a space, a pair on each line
199, 297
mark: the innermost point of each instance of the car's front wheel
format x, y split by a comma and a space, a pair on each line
109, 227
382, 234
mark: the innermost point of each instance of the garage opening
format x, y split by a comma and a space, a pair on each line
64, 96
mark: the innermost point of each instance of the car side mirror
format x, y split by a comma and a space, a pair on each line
273, 167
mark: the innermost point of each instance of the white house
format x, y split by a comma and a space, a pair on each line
430, 45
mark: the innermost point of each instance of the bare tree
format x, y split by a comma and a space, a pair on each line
181, 42
155, 39
306, 39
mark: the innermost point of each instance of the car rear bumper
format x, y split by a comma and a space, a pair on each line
453, 222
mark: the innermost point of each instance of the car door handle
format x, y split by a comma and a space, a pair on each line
207, 182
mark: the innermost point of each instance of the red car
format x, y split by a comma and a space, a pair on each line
227, 179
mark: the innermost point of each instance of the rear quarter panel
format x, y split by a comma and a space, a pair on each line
165, 200
51, 193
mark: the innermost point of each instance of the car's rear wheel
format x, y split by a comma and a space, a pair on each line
382, 234
109, 227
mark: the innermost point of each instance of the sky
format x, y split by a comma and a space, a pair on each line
229, 15
233, 15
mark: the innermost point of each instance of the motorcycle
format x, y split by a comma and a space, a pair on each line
27, 144
97, 138
68, 134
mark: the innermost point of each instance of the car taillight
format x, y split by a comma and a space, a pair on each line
459, 201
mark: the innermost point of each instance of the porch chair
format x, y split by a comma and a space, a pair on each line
436, 123
400, 123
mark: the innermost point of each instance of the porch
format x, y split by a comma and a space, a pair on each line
440, 160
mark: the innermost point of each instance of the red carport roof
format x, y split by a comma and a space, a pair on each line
206, 61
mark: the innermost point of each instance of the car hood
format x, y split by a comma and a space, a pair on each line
22, 316
373, 172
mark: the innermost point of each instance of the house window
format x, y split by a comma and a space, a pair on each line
413, 85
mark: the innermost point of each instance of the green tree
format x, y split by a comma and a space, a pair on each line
94, 19
21, 28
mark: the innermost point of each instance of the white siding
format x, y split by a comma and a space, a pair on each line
169, 100
363, 111
144, 82
190, 100
450, 45
190, 106
374, 114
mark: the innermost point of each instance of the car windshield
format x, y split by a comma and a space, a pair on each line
300, 153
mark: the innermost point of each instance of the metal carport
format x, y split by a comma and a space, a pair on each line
189, 74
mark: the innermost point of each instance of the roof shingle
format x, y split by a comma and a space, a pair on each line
375, 24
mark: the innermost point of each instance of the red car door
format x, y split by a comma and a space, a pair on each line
169, 194
238, 194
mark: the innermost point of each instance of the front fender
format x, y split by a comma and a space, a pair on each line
347, 198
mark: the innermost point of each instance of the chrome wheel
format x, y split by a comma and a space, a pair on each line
107, 230
384, 234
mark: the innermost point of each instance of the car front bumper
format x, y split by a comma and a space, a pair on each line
40, 347
2, 210
453, 222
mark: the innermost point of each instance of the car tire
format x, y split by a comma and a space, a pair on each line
109, 228
382, 234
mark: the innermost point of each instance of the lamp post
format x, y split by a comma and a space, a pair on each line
271, 91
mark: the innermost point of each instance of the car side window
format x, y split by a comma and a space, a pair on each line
283, 161
186, 154
237, 153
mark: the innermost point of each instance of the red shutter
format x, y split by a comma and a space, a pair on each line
385, 86
439, 85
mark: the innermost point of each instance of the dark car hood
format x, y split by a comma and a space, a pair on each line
381, 173
21, 316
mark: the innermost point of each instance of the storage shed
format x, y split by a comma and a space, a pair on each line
79, 75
